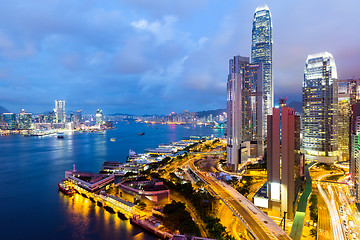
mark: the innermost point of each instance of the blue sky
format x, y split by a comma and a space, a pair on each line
160, 56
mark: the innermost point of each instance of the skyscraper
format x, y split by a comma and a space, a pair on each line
78, 117
10, 121
355, 149
60, 111
348, 90
244, 104
283, 163
25, 120
239, 111
320, 108
99, 117
261, 51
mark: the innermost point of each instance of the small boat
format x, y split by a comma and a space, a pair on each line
63, 187
60, 135
113, 139
142, 133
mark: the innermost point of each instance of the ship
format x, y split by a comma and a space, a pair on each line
142, 133
65, 188
60, 135
113, 139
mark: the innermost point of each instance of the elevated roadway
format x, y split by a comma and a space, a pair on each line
259, 225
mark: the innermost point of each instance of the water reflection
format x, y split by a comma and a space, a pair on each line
77, 214
87, 221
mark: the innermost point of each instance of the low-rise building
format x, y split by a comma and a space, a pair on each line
151, 192
89, 181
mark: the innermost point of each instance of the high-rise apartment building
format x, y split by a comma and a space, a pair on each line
244, 106
320, 108
60, 111
283, 160
261, 52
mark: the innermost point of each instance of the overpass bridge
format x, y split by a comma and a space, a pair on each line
259, 225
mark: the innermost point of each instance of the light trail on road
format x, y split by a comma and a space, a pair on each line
334, 215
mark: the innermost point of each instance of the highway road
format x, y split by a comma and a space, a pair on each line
330, 199
242, 210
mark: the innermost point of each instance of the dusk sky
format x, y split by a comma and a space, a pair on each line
159, 56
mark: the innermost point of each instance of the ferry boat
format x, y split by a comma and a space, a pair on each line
60, 135
65, 189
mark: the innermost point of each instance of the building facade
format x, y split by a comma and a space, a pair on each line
283, 160
25, 120
237, 98
60, 111
10, 121
99, 117
261, 52
355, 149
244, 110
78, 117
348, 90
320, 108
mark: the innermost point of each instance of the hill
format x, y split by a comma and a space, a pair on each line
212, 112
3, 110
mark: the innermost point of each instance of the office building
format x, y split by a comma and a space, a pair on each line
320, 109
244, 110
2, 123
283, 160
261, 52
78, 117
348, 90
238, 110
355, 149
257, 107
25, 120
98, 117
60, 111
10, 121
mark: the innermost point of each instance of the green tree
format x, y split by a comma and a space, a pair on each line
313, 232
177, 218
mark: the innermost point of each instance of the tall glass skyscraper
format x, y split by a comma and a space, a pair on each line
60, 111
320, 108
348, 90
261, 51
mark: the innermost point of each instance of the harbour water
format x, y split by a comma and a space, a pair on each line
30, 168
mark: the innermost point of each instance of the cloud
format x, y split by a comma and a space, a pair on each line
164, 7
162, 30
155, 56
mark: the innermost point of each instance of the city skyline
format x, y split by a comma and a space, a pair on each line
94, 56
